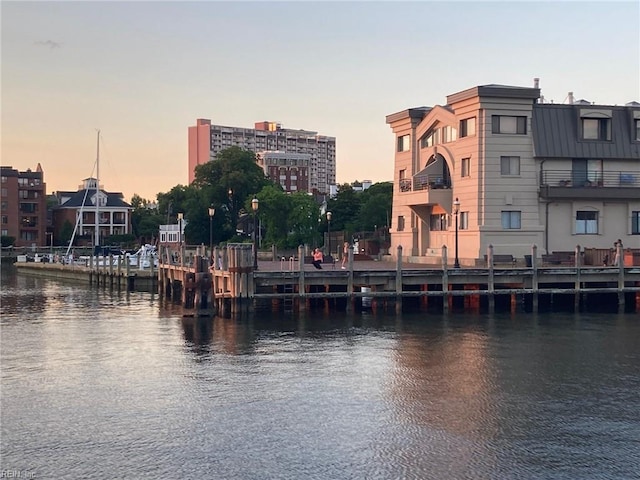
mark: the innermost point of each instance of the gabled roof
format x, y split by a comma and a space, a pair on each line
114, 200
556, 133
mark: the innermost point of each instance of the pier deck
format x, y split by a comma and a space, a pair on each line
291, 284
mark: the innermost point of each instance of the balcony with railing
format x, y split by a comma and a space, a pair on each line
424, 189
588, 184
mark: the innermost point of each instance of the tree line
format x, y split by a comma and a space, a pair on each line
229, 184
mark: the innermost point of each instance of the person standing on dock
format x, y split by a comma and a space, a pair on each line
617, 247
345, 254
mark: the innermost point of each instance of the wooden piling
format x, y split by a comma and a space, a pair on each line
399, 280
491, 286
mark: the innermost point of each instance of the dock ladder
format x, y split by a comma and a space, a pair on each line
287, 301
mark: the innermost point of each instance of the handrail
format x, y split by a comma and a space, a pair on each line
424, 182
568, 178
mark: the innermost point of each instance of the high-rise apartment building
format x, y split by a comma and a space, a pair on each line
206, 140
24, 206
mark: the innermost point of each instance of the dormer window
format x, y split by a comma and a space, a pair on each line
595, 124
596, 129
102, 200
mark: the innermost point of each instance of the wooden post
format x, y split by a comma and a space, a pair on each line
301, 286
214, 278
445, 280
621, 300
111, 269
350, 300
91, 275
233, 277
399, 281
534, 278
576, 296
127, 269
120, 257
197, 298
491, 281
152, 266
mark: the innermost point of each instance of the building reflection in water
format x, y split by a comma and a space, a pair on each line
444, 385
22, 292
205, 335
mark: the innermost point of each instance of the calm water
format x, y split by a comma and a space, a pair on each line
102, 385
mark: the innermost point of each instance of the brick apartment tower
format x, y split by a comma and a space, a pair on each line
206, 140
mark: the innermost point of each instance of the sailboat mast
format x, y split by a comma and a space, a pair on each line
96, 241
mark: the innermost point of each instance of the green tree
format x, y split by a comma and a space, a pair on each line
227, 183
145, 221
7, 241
375, 206
345, 208
302, 221
273, 213
65, 233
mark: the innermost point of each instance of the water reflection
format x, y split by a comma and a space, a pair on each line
102, 384
20, 292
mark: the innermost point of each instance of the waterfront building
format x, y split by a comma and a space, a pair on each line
24, 206
206, 140
114, 214
524, 172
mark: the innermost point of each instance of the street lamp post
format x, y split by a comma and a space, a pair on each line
456, 211
329, 215
212, 212
254, 206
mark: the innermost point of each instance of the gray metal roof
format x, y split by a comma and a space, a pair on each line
556, 133
75, 200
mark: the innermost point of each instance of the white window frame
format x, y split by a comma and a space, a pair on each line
463, 221
511, 219
510, 166
465, 167
635, 222
586, 226
509, 124
598, 129
404, 143
467, 127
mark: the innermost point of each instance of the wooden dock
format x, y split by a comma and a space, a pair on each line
231, 285
110, 273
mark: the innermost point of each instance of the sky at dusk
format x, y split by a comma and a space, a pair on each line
142, 72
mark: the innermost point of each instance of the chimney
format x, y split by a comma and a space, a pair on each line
536, 83
570, 98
